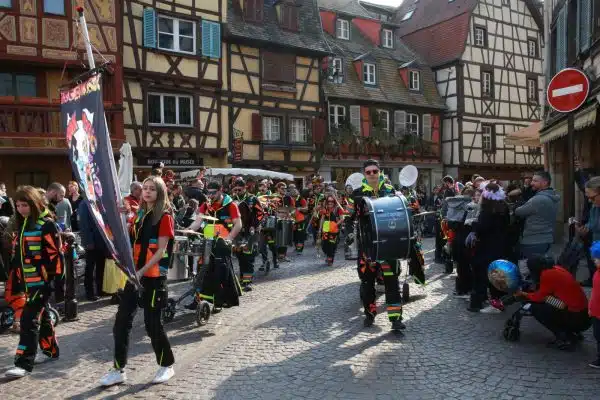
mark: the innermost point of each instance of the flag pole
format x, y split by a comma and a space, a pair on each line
86, 38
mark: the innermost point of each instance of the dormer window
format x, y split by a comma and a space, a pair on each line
289, 17
253, 10
369, 77
342, 29
408, 15
337, 71
388, 38
414, 80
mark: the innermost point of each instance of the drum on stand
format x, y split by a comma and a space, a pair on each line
385, 230
179, 267
284, 232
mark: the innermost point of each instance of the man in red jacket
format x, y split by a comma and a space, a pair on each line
559, 303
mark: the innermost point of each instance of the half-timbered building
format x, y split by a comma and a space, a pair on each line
272, 85
487, 57
41, 48
381, 97
573, 33
173, 74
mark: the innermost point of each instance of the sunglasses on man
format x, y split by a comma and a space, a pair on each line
372, 172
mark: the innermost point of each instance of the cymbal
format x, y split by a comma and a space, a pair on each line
207, 217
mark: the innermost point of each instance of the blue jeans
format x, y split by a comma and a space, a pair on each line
529, 250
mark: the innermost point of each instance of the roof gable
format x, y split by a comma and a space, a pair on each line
309, 36
430, 12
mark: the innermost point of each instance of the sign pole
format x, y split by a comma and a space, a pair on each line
570, 183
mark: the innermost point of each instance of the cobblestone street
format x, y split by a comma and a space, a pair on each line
299, 335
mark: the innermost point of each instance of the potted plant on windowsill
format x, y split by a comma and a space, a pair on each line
346, 134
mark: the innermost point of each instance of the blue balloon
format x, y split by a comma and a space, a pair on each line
504, 276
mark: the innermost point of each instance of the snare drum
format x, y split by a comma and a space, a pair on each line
208, 247
270, 223
181, 245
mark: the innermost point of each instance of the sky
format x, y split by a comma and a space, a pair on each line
386, 2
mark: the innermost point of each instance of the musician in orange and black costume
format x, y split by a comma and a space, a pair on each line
374, 186
251, 213
315, 198
267, 236
332, 215
285, 200
300, 219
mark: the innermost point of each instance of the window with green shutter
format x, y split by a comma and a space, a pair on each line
211, 39
149, 28
561, 39
584, 23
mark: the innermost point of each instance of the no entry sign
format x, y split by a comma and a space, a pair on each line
568, 90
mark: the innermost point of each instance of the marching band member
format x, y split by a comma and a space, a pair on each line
37, 254
285, 200
219, 286
267, 237
152, 234
374, 186
313, 204
300, 218
331, 218
246, 254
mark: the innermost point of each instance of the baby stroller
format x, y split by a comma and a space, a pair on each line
511, 331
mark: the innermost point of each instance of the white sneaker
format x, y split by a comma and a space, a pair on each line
41, 358
490, 310
16, 372
113, 377
163, 374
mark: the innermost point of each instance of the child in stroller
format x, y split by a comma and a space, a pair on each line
555, 299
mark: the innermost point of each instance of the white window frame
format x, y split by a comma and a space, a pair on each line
343, 31
162, 109
407, 15
388, 38
486, 83
298, 130
369, 74
269, 123
355, 122
412, 119
531, 48
384, 117
414, 80
338, 66
338, 112
176, 35
532, 94
479, 37
487, 132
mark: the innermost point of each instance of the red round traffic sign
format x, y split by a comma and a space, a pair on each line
568, 90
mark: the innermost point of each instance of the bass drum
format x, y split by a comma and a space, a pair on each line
284, 232
385, 228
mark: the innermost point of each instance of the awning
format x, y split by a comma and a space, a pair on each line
583, 119
528, 136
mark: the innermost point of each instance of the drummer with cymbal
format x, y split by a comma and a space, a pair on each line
251, 212
219, 218
374, 186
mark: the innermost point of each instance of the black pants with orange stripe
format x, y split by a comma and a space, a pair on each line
299, 235
36, 329
367, 272
152, 299
329, 244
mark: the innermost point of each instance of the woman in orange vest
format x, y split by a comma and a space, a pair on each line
152, 233
331, 218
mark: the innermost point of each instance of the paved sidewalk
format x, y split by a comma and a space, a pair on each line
299, 335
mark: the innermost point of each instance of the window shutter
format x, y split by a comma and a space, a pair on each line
288, 69
211, 39
337, 27
257, 127
561, 39
584, 21
399, 122
355, 118
427, 127
150, 28
318, 130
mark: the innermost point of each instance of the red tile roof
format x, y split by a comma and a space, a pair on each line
430, 44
